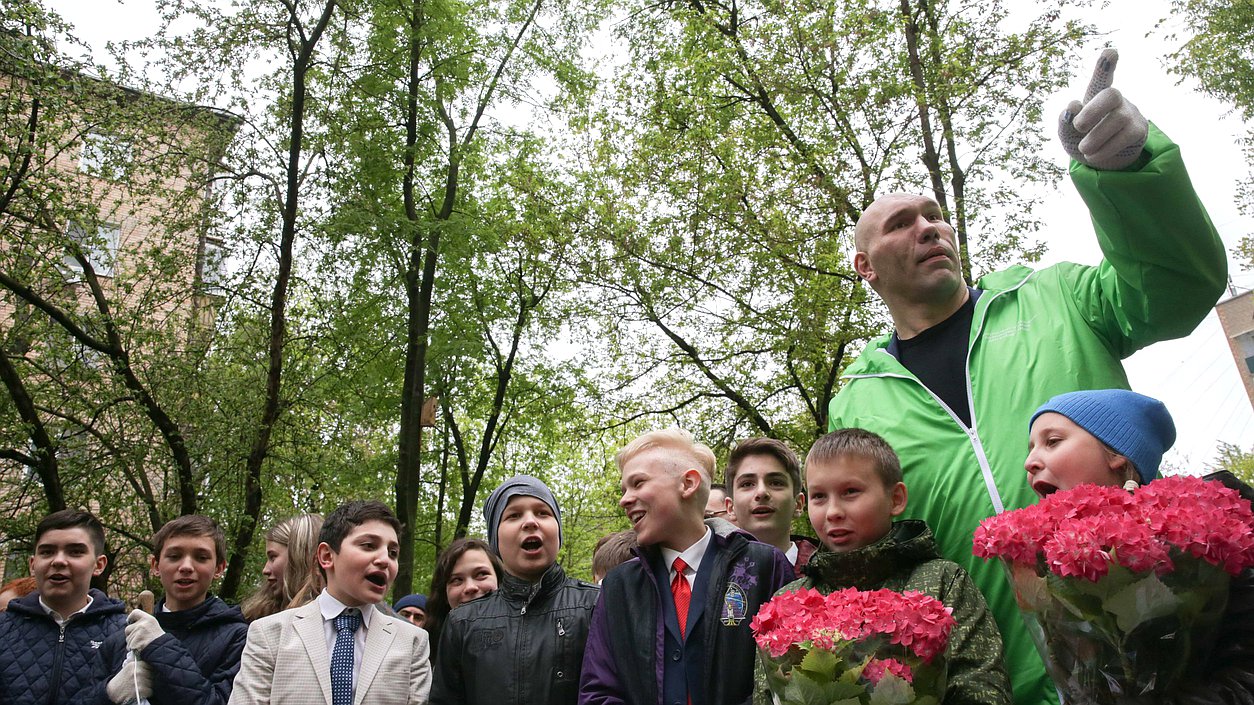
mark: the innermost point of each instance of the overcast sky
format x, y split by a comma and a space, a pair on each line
1195, 376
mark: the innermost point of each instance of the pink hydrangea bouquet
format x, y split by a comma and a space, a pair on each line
854, 646
1123, 591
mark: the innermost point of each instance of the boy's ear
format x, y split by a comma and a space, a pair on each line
325, 556
800, 507
1118, 464
689, 482
152, 560
898, 496
101, 561
220, 569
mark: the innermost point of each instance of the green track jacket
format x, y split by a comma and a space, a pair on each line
1036, 334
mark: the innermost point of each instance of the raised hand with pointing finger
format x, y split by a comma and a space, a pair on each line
1105, 131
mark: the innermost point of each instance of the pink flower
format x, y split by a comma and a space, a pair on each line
1015, 536
876, 668
806, 618
1075, 551
1081, 531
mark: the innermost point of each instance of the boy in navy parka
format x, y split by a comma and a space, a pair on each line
188, 652
49, 638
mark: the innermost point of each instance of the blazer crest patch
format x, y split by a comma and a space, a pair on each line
735, 605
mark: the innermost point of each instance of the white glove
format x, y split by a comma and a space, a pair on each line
1105, 131
141, 630
123, 687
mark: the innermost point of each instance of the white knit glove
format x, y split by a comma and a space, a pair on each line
135, 678
1105, 131
141, 630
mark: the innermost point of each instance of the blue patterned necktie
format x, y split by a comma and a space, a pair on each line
346, 625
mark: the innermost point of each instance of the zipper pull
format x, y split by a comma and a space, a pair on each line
61, 637
561, 631
524, 609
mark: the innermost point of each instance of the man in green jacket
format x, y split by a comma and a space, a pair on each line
953, 387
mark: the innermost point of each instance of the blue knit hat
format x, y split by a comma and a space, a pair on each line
525, 485
416, 600
1133, 425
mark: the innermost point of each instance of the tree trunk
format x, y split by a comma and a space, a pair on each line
272, 405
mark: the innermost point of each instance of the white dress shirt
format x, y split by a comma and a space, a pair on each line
692, 557
56, 616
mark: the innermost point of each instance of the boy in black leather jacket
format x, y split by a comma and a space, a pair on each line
523, 643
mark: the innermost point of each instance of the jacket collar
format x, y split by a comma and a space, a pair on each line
100, 604
517, 590
212, 610
908, 543
722, 532
876, 358
806, 547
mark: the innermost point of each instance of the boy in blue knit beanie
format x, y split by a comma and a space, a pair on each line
1116, 437
1101, 437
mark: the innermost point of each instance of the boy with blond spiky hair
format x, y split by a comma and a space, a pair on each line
672, 624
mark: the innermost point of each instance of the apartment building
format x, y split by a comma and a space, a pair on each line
104, 198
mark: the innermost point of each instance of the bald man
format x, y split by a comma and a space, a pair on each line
953, 387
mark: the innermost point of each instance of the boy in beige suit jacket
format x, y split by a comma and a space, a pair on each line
378, 659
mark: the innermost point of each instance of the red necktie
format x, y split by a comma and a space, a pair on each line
682, 592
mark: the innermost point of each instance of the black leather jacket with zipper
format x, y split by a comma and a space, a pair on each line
521, 644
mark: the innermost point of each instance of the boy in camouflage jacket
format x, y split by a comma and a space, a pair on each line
854, 485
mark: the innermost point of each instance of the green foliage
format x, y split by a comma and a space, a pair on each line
1220, 51
101, 299
659, 240
1236, 460
730, 158
1217, 49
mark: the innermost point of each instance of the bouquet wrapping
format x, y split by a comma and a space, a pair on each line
875, 647
1123, 591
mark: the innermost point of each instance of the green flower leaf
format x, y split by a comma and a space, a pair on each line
843, 692
820, 661
892, 690
803, 690
1141, 601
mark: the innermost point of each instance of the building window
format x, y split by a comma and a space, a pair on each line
105, 156
101, 248
1245, 343
213, 272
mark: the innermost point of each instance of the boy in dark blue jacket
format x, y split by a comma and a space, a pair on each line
49, 638
671, 626
188, 652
